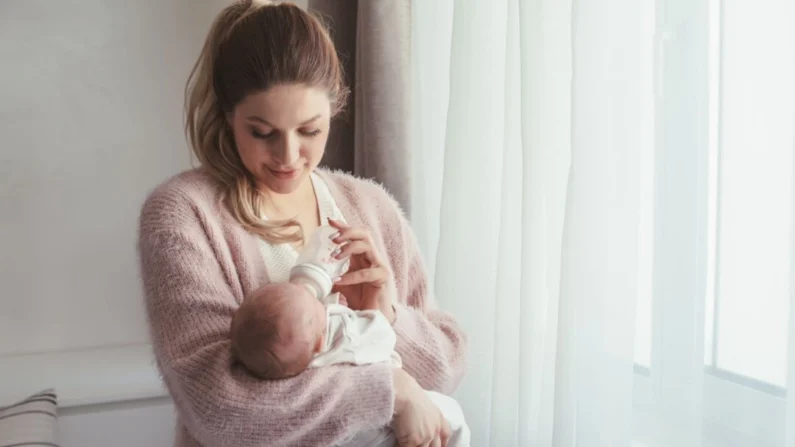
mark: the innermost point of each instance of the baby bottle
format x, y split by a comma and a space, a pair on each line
315, 266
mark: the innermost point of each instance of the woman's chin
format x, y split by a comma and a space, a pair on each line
284, 185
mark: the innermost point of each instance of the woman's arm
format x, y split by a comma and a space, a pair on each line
190, 306
430, 341
432, 345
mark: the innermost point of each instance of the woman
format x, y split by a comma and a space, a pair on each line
259, 103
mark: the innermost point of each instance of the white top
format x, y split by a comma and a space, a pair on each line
356, 337
280, 258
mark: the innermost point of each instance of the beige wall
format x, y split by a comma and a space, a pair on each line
91, 119
91, 108
302, 3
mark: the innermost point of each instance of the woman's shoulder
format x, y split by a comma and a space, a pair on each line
180, 199
361, 194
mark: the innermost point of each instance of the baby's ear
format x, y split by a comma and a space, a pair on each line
319, 343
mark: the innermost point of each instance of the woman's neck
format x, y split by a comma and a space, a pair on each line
298, 203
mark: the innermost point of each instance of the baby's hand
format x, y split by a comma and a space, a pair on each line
343, 300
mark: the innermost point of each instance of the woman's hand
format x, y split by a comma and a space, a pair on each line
418, 422
365, 285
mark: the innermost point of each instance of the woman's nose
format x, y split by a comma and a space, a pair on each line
289, 150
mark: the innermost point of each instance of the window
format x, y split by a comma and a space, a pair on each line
752, 192
736, 143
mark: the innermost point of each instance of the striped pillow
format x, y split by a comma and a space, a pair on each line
30, 422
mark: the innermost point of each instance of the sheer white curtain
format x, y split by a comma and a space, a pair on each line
604, 192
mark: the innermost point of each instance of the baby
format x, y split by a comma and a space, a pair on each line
284, 329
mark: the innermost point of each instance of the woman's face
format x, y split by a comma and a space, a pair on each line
281, 134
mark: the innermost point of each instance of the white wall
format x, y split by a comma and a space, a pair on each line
128, 424
91, 98
90, 120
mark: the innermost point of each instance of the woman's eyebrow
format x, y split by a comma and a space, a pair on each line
262, 120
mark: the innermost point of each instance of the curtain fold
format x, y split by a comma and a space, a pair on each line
566, 200
581, 179
373, 138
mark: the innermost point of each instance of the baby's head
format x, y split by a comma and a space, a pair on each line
277, 331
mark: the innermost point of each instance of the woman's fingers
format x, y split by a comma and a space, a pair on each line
358, 248
445, 433
338, 224
350, 234
347, 233
354, 241
376, 276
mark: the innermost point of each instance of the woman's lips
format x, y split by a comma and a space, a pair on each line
284, 174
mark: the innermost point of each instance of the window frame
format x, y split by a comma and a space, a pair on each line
667, 391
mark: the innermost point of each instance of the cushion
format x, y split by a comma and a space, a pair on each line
30, 422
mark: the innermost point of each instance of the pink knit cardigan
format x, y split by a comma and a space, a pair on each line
198, 264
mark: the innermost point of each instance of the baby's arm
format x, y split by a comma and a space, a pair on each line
357, 337
376, 340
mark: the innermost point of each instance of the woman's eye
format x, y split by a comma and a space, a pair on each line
310, 133
262, 136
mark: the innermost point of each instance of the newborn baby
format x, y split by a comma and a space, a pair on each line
284, 329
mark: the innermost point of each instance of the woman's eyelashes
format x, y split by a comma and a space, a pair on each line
263, 136
273, 133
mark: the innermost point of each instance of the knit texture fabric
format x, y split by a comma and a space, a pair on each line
280, 258
198, 264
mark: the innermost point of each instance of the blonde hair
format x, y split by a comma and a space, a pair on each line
252, 46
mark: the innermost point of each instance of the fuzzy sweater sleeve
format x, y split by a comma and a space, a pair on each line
431, 343
190, 305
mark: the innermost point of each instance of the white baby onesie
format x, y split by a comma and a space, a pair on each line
364, 337
357, 337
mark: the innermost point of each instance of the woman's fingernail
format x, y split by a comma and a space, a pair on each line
337, 279
336, 253
334, 236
